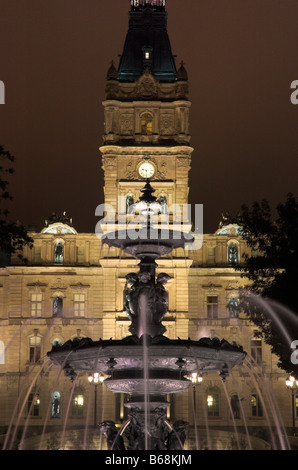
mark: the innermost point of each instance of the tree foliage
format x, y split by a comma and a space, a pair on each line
271, 301
13, 236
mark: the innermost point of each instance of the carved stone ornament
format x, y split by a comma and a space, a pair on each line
232, 285
109, 162
147, 86
183, 162
126, 123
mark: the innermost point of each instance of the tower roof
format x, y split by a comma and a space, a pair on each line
147, 43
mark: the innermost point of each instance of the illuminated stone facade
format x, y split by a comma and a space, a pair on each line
72, 285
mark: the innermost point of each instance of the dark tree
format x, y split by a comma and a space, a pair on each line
13, 236
272, 269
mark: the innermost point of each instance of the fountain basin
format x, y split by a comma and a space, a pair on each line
150, 242
167, 361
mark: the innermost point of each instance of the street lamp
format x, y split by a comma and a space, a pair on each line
195, 380
292, 384
96, 379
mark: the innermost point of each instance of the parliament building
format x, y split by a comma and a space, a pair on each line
72, 286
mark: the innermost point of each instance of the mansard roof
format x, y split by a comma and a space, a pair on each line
147, 44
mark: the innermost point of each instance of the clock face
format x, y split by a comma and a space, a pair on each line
146, 170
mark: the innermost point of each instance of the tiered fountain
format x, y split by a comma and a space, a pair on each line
147, 365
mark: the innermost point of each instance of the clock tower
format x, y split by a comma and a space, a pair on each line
146, 135
146, 116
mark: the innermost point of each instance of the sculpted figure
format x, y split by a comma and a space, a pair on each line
130, 292
177, 436
135, 431
162, 297
114, 440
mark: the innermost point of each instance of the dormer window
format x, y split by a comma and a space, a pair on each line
147, 56
59, 252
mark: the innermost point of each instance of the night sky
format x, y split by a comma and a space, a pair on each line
241, 57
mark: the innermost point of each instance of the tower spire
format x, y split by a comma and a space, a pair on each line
147, 43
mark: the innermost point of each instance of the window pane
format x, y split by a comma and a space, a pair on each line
256, 350
212, 306
55, 405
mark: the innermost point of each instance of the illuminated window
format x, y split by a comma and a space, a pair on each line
129, 203
256, 405
34, 348
36, 305
146, 124
79, 305
212, 306
57, 306
55, 405
296, 405
59, 252
78, 404
212, 402
163, 204
57, 342
33, 404
233, 307
232, 253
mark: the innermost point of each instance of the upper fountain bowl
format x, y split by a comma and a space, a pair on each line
151, 242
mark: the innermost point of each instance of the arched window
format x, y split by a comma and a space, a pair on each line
212, 402
34, 348
33, 404
146, 124
256, 405
56, 342
235, 406
57, 306
2, 353
163, 204
233, 255
59, 252
234, 308
129, 203
55, 405
78, 403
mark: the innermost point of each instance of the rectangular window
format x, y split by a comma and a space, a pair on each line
37, 254
256, 350
36, 305
79, 305
296, 405
211, 255
212, 306
80, 254
34, 349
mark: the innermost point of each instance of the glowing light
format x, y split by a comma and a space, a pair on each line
209, 400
